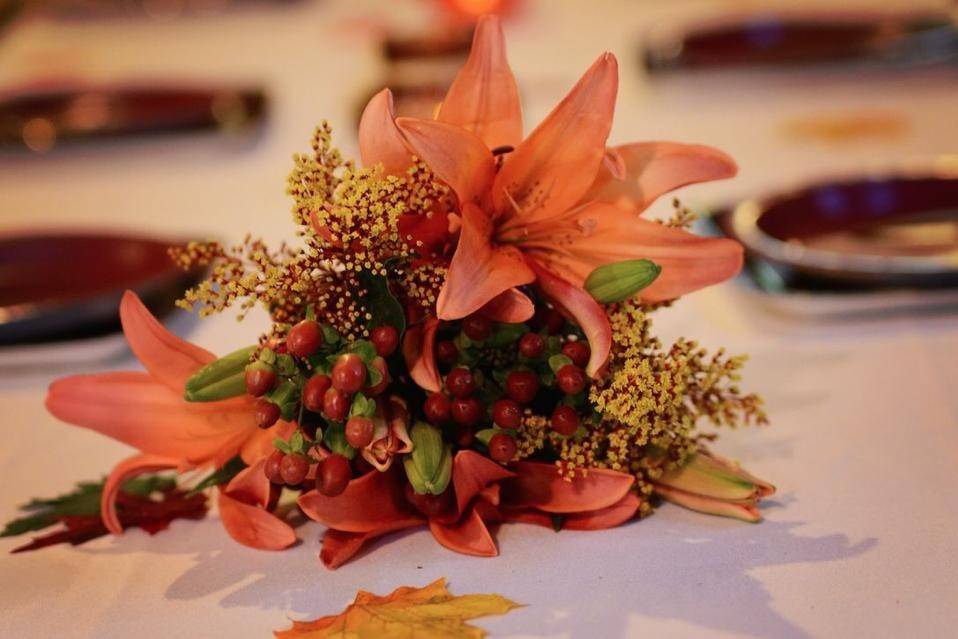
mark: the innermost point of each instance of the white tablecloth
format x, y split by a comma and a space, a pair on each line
860, 540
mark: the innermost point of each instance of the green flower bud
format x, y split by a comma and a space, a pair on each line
429, 465
619, 281
222, 379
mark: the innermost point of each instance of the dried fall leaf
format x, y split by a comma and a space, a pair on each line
405, 613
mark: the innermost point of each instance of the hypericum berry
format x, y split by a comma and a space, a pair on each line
565, 420
446, 352
502, 447
506, 413
333, 475
466, 411
314, 392
460, 382
293, 469
465, 436
477, 327
379, 363
437, 409
532, 345
432, 506
304, 339
266, 413
578, 351
385, 339
271, 468
359, 431
522, 386
550, 319
349, 373
571, 379
260, 379
335, 404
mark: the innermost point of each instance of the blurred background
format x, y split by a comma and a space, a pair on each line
165, 120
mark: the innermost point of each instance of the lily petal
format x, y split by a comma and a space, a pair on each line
340, 546
253, 526
540, 486
578, 304
169, 359
260, 443
127, 469
369, 503
553, 168
479, 271
250, 485
418, 349
610, 517
471, 473
652, 169
455, 155
746, 510
511, 307
484, 98
380, 141
605, 233
468, 536
137, 410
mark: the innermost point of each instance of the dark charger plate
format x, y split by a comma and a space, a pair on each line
57, 286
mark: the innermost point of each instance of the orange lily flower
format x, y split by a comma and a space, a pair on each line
146, 410
485, 493
554, 206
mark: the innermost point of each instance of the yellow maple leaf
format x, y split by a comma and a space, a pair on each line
403, 614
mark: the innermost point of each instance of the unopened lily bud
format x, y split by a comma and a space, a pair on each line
429, 465
713, 485
222, 379
619, 281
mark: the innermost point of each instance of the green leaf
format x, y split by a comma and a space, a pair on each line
286, 396
286, 365
363, 406
485, 435
84, 500
375, 376
506, 334
335, 440
363, 348
222, 379
619, 281
381, 303
281, 446
221, 475
558, 361
330, 335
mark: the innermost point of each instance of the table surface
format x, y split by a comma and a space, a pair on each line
864, 439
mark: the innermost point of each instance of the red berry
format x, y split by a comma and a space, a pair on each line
293, 469
571, 379
385, 339
549, 319
432, 506
314, 392
380, 365
578, 351
333, 475
437, 408
565, 420
304, 339
460, 382
335, 404
359, 431
506, 413
477, 327
266, 413
260, 379
467, 411
446, 352
532, 345
522, 386
349, 373
465, 436
502, 447
271, 468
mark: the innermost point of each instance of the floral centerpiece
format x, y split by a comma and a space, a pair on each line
460, 338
